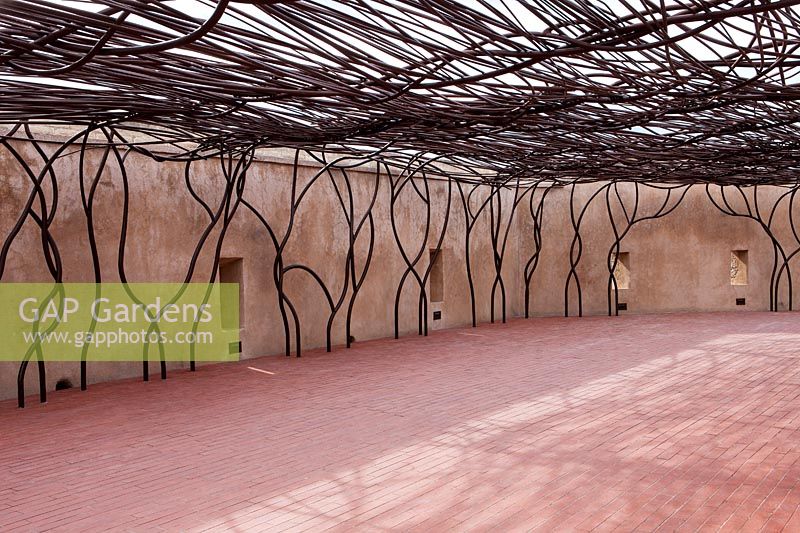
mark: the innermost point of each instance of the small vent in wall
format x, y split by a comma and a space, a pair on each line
437, 315
622, 306
740, 301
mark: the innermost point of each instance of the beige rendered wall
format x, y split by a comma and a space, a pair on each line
680, 262
165, 224
677, 263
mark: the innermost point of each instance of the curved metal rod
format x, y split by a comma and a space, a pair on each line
396, 187
577, 244
87, 201
295, 202
777, 248
499, 249
410, 263
423, 298
49, 247
796, 236
631, 220
470, 219
533, 262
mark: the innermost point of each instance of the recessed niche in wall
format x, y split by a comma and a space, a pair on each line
622, 270
437, 275
231, 270
739, 267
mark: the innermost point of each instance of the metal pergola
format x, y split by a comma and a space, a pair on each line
488, 95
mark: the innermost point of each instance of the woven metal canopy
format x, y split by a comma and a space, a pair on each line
499, 101
675, 90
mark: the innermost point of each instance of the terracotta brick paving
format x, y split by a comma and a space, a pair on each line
670, 422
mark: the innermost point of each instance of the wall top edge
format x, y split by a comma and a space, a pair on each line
60, 133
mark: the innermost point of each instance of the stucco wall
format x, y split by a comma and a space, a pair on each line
165, 223
680, 262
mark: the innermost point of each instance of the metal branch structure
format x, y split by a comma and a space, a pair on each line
746, 204
690, 90
632, 216
503, 101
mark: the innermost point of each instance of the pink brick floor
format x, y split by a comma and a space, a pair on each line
634, 423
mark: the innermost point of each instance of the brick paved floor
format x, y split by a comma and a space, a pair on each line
638, 422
